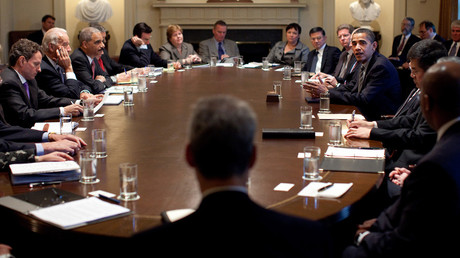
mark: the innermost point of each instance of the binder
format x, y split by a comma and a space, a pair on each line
287, 134
354, 159
37, 172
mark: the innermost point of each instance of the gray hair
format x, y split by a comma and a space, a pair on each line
221, 136
453, 59
455, 23
86, 34
52, 36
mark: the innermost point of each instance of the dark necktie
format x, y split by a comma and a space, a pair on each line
453, 50
26, 88
220, 50
413, 93
93, 68
344, 65
314, 61
61, 73
362, 74
400, 48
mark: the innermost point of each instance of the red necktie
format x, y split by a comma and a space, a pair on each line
101, 64
400, 48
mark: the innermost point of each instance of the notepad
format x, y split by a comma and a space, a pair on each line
43, 167
79, 213
53, 126
336, 191
353, 153
113, 100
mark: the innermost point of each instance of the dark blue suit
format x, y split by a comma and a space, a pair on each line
49, 80
425, 220
329, 62
22, 111
82, 69
380, 93
131, 55
229, 224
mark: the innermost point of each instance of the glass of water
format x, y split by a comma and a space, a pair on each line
306, 117
324, 103
88, 164
128, 96
128, 182
99, 138
311, 163
65, 124
88, 110
335, 133
265, 66
287, 73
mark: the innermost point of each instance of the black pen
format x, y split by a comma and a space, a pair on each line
324, 188
109, 198
44, 183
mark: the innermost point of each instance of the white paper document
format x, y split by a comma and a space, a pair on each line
53, 126
43, 167
113, 100
335, 191
360, 153
119, 89
339, 116
79, 213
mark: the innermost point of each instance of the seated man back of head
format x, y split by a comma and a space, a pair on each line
228, 223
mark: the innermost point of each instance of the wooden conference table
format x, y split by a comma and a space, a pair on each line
153, 134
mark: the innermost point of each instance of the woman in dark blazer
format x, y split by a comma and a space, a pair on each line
176, 49
291, 50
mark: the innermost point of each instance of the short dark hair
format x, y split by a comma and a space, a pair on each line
349, 27
368, 32
44, 18
317, 29
23, 47
220, 22
412, 21
428, 25
426, 52
221, 135
140, 28
294, 26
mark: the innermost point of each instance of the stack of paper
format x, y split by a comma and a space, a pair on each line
339, 116
359, 153
25, 173
336, 191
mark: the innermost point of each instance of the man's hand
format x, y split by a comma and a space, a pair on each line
137, 41
398, 175
100, 78
361, 133
73, 109
53, 156
63, 59
52, 137
359, 123
65, 146
315, 88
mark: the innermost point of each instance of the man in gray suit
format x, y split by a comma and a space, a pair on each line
218, 46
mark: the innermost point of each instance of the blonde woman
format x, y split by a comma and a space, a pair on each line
176, 49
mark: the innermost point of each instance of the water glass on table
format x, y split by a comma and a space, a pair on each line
142, 83
306, 113
324, 103
128, 182
128, 96
88, 110
88, 165
99, 137
65, 124
335, 133
287, 73
277, 88
311, 163
265, 65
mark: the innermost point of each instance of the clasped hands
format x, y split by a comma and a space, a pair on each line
325, 82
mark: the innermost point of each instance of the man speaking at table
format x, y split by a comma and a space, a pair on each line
375, 88
228, 223
218, 45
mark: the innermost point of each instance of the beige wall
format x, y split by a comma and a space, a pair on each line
18, 15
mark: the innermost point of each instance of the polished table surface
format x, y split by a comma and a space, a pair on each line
153, 134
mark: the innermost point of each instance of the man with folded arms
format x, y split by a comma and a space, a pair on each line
23, 102
374, 89
424, 221
84, 61
56, 77
228, 223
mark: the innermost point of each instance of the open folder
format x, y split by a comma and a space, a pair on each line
354, 159
63, 209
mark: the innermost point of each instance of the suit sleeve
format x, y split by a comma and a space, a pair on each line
204, 52
6, 146
83, 74
19, 134
52, 85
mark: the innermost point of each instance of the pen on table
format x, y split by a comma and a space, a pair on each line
44, 183
353, 115
325, 187
109, 198
125, 70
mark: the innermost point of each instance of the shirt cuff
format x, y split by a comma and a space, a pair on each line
61, 111
375, 124
39, 149
361, 237
45, 137
70, 75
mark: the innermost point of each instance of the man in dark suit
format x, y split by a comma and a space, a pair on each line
424, 221
218, 45
324, 58
56, 77
427, 30
375, 88
47, 23
453, 44
137, 51
23, 102
228, 223
84, 61
402, 43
